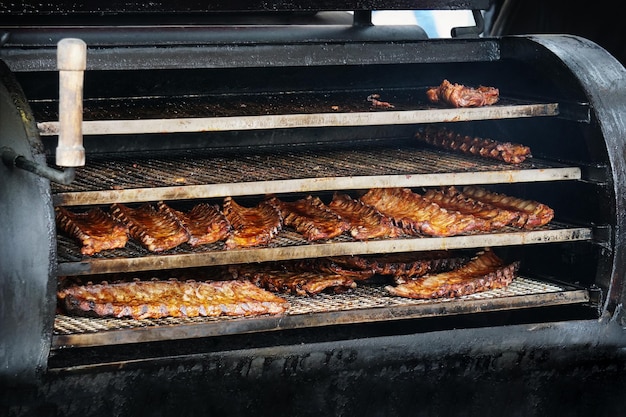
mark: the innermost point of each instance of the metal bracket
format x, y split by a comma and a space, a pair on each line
602, 235
470, 31
13, 160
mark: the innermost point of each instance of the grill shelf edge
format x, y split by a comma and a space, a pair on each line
366, 303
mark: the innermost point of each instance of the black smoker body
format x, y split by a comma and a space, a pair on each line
533, 354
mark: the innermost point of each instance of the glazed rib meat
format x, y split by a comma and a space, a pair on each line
403, 266
416, 215
311, 218
458, 95
441, 137
302, 283
289, 278
157, 230
326, 266
251, 226
94, 229
452, 199
300, 277
156, 299
484, 272
204, 223
365, 221
531, 213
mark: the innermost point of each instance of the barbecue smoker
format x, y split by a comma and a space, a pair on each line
186, 102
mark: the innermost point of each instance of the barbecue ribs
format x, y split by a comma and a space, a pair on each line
365, 221
251, 226
441, 137
416, 215
204, 223
402, 267
94, 229
531, 213
458, 95
484, 272
157, 230
311, 218
452, 199
156, 299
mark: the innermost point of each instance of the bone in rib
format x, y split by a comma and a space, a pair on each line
251, 226
416, 215
365, 221
531, 213
441, 137
311, 218
205, 223
94, 229
484, 272
157, 230
172, 298
451, 198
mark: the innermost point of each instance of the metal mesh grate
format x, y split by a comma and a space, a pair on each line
365, 297
225, 166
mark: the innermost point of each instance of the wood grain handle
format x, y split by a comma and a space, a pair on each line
71, 63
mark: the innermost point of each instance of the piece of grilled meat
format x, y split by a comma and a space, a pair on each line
531, 213
452, 199
204, 223
416, 215
94, 229
157, 230
486, 271
458, 95
513, 153
402, 267
172, 298
365, 221
251, 226
311, 218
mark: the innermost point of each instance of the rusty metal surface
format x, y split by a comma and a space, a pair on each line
209, 173
279, 117
291, 245
366, 303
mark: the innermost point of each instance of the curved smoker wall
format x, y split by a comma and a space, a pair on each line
603, 80
27, 247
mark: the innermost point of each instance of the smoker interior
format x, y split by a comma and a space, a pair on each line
351, 146
300, 124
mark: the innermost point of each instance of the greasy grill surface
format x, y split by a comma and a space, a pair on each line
225, 105
222, 166
69, 251
363, 304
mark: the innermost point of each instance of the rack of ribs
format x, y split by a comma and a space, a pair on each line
156, 229
291, 277
416, 215
172, 298
451, 198
311, 218
458, 95
251, 226
486, 271
531, 213
441, 137
403, 267
94, 229
204, 223
365, 221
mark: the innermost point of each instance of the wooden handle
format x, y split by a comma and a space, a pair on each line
71, 63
